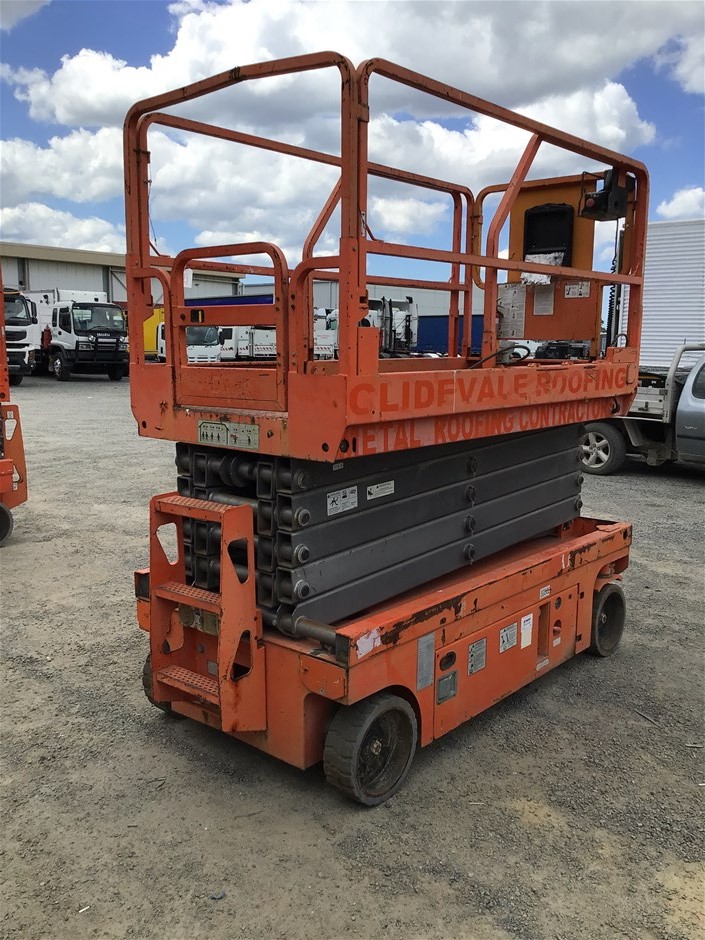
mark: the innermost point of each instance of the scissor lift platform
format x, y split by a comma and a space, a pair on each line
362, 694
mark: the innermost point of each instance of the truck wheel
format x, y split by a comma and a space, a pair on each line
603, 449
608, 615
16, 379
369, 748
61, 368
148, 690
7, 523
115, 373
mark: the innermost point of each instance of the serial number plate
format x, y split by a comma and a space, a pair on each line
228, 434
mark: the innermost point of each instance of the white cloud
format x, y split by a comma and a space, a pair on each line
35, 224
14, 11
406, 215
82, 167
511, 52
486, 151
685, 204
684, 59
550, 60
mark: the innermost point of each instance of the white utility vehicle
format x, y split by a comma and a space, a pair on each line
79, 331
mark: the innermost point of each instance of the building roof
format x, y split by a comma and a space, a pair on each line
52, 253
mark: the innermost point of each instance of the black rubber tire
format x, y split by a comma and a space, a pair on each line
7, 523
148, 690
60, 367
609, 613
116, 373
16, 379
357, 736
603, 448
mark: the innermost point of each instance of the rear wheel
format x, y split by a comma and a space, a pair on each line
60, 367
609, 613
6, 524
603, 449
16, 379
370, 747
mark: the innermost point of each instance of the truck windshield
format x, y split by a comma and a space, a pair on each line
16, 310
202, 336
103, 317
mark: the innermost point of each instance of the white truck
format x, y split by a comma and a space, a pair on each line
21, 333
80, 332
666, 422
202, 344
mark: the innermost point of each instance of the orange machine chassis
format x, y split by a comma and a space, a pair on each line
365, 404
449, 649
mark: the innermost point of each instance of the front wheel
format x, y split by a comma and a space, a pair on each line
115, 373
609, 613
6, 524
369, 748
16, 379
61, 368
603, 449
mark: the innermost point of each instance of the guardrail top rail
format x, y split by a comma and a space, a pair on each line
361, 402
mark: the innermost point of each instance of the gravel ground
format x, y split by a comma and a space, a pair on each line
572, 809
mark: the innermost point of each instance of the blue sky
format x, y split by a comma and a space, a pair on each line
629, 75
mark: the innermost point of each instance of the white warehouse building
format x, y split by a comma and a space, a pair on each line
39, 267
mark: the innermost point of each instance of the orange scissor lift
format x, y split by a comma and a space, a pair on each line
247, 634
13, 470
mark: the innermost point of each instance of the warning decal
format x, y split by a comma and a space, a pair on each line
342, 500
507, 637
527, 623
380, 489
477, 655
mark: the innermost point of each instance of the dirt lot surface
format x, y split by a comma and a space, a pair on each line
572, 809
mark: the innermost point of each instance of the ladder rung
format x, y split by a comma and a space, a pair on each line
194, 683
191, 508
191, 596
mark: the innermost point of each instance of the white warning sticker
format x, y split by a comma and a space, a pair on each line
545, 592
380, 489
527, 626
507, 637
477, 655
577, 289
342, 500
543, 300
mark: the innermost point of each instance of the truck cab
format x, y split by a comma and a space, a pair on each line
88, 338
20, 334
202, 344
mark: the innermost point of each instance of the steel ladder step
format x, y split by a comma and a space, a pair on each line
190, 508
194, 683
191, 596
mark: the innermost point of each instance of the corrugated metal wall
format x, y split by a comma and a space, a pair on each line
46, 274
10, 275
674, 289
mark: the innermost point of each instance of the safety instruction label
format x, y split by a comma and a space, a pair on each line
507, 637
380, 489
477, 655
543, 300
342, 500
577, 289
229, 434
424, 661
511, 305
527, 626
545, 591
